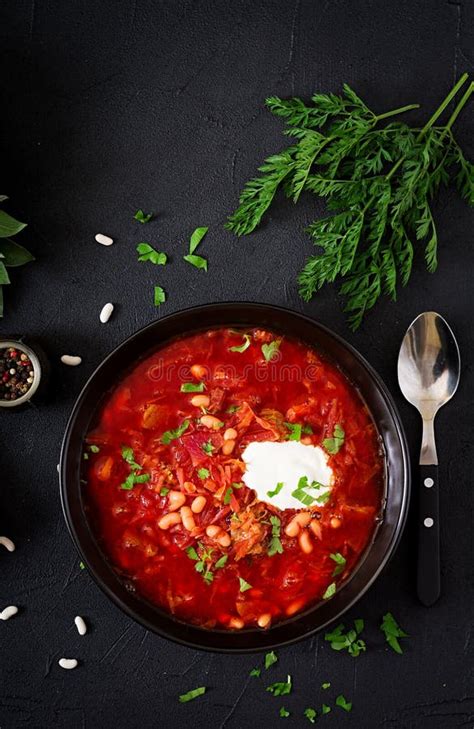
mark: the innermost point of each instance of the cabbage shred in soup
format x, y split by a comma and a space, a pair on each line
235, 477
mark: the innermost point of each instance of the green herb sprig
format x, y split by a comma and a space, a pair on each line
378, 180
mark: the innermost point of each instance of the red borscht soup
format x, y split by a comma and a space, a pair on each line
234, 478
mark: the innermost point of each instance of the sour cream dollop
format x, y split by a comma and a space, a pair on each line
269, 464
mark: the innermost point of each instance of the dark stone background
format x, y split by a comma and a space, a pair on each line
110, 106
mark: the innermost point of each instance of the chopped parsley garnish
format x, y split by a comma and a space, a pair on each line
207, 447
255, 672
392, 632
221, 562
94, 449
143, 217
232, 409
302, 495
341, 701
270, 659
196, 238
330, 591
276, 490
164, 491
334, 444
311, 714
296, 430
275, 546
270, 351
228, 495
85, 456
281, 688
243, 585
325, 685
193, 387
82, 566
170, 435
133, 477
340, 563
190, 695
159, 296
284, 713
340, 640
196, 261
147, 253
202, 560
242, 347
203, 473
325, 709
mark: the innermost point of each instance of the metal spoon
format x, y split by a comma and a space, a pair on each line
428, 374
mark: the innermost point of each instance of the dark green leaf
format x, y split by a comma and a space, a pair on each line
9, 226
13, 254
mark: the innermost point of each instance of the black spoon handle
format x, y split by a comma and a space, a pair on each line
428, 577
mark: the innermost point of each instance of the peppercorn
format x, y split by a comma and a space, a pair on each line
16, 373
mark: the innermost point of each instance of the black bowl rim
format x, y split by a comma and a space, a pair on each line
391, 547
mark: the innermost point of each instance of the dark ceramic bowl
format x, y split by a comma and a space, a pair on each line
379, 402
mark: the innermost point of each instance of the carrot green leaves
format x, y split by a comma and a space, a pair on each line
378, 179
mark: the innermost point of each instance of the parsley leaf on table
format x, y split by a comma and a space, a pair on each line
392, 632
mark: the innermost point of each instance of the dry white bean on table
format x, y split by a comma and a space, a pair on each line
71, 360
7, 543
80, 624
104, 240
68, 663
106, 313
8, 612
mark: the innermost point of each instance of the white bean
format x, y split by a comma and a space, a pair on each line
7, 543
67, 663
106, 313
104, 240
8, 612
71, 360
80, 624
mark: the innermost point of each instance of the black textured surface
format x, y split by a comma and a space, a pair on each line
110, 106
